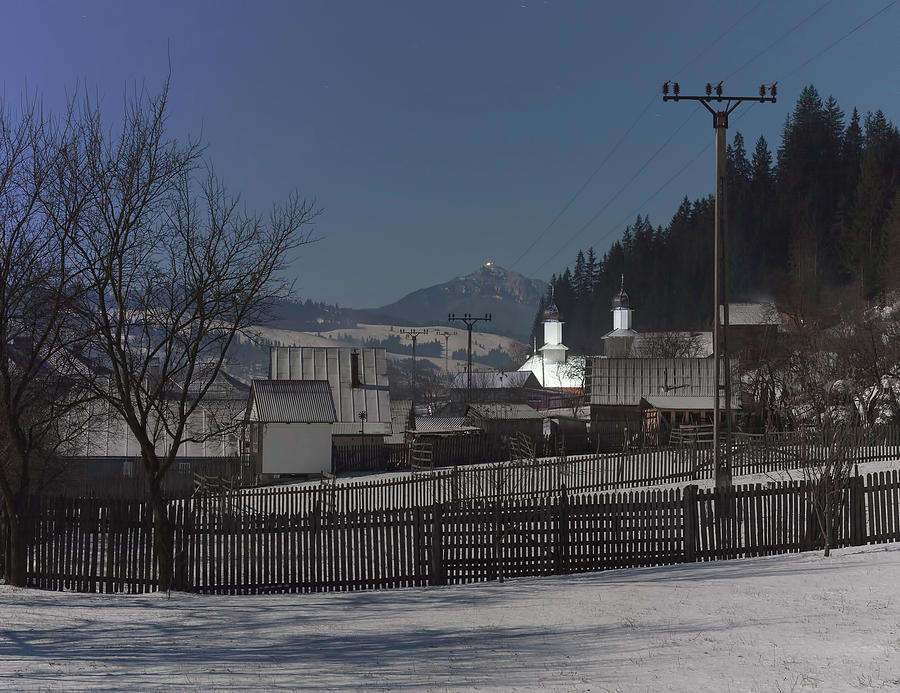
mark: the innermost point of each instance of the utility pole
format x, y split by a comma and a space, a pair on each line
414, 335
446, 334
721, 109
469, 321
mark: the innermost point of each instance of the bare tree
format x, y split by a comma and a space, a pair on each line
669, 345
827, 475
177, 269
40, 409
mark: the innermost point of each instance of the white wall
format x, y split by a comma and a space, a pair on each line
296, 448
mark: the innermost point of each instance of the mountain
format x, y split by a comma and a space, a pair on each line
510, 298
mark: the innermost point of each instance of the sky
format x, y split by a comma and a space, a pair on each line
437, 136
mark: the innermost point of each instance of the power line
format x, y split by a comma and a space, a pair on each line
706, 147
837, 41
617, 193
625, 135
585, 184
781, 38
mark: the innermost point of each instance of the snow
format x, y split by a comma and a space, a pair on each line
779, 623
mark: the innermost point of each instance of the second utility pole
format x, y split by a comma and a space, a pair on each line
720, 291
469, 321
414, 335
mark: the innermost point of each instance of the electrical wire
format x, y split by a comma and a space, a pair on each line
590, 221
831, 45
625, 135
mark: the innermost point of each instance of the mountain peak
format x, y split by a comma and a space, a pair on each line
510, 297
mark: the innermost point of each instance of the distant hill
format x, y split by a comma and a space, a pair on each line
511, 299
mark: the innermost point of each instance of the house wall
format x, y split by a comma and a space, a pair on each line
296, 448
107, 435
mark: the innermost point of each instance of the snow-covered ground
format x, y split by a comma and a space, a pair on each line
780, 623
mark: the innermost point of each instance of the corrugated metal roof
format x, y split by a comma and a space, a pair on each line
434, 424
334, 365
623, 382
292, 401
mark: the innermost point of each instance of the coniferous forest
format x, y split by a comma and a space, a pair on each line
814, 226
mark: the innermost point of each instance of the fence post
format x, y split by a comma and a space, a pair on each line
858, 533
436, 574
689, 518
562, 534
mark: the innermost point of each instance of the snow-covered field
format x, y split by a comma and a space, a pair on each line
780, 623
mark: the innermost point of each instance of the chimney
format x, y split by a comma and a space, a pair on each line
354, 368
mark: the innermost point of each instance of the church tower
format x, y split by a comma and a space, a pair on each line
553, 351
621, 309
617, 344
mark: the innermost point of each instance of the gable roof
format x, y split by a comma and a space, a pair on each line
334, 365
291, 401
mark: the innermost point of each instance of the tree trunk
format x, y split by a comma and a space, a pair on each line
163, 538
17, 538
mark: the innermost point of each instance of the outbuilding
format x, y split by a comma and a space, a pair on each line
290, 424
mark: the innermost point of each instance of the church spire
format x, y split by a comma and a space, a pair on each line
621, 308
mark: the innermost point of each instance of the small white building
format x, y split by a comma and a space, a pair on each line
289, 424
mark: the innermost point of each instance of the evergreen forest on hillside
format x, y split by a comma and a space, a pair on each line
816, 228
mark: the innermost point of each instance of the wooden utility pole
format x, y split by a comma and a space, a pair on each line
469, 321
414, 335
721, 109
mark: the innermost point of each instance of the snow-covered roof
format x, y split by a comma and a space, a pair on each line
503, 411
556, 376
494, 380
676, 403
751, 314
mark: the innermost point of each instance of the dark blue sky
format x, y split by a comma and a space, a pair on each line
437, 136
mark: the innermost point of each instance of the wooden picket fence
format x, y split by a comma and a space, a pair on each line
225, 546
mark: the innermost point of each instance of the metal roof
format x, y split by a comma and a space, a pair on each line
433, 424
624, 381
291, 401
334, 365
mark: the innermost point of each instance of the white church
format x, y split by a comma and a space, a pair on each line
551, 364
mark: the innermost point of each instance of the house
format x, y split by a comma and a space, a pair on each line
496, 386
289, 426
640, 395
505, 421
104, 456
358, 379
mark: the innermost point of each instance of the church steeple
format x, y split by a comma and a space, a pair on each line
621, 309
553, 351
